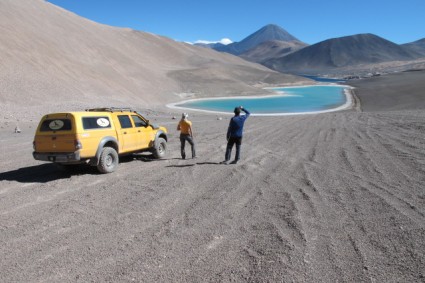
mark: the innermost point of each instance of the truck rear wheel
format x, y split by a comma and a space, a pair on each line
160, 148
108, 160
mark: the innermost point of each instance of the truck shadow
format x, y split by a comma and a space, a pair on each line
45, 173
48, 172
145, 157
140, 157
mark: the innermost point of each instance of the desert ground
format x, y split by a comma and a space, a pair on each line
335, 197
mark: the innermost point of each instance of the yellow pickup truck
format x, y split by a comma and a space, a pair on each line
97, 137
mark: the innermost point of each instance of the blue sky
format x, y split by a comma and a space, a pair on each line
311, 21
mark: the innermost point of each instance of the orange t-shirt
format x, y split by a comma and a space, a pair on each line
184, 126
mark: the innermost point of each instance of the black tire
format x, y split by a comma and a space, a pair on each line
108, 160
160, 149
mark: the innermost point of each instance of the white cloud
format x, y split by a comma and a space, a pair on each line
224, 41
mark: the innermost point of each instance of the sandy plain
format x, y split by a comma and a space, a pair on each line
334, 197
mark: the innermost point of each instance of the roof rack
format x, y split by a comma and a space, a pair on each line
110, 109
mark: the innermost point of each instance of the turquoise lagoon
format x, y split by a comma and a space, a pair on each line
288, 101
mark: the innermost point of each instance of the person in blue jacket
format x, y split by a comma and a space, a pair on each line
235, 133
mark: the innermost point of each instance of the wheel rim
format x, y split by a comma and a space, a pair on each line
109, 160
161, 148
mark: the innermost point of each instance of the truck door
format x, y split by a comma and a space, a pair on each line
128, 134
144, 131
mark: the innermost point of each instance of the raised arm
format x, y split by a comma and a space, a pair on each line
246, 112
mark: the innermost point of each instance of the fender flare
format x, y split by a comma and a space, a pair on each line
102, 143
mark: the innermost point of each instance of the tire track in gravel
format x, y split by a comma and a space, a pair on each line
328, 216
300, 205
313, 199
194, 201
332, 218
251, 199
368, 169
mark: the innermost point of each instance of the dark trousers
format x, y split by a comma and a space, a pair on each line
183, 139
230, 142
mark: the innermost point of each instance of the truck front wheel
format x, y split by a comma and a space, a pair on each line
160, 148
108, 160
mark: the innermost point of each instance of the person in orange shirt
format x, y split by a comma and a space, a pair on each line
186, 134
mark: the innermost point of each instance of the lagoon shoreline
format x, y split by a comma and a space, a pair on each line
348, 92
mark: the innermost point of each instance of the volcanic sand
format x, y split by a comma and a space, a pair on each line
336, 197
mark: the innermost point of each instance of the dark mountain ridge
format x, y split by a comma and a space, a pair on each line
416, 46
343, 52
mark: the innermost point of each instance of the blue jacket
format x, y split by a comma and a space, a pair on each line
235, 129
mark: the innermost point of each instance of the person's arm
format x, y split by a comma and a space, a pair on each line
246, 112
190, 130
228, 130
178, 126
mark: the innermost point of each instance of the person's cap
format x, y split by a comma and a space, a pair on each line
185, 115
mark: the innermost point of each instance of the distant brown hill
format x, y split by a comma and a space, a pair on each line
343, 52
51, 56
267, 33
